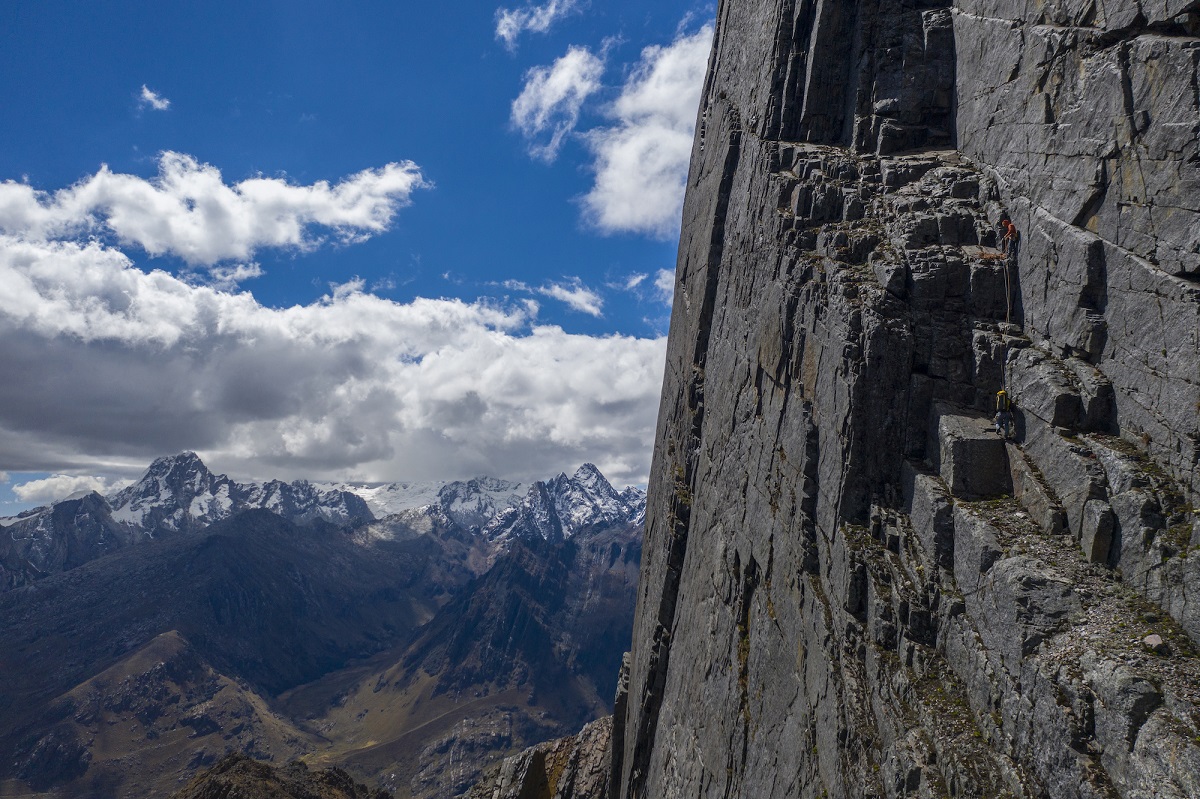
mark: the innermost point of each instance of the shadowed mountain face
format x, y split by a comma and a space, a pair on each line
377, 645
259, 600
544, 610
529, 651
247, 591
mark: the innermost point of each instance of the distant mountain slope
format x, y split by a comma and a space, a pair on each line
274, 605
166, 638
267, 604
527, 652
165, 694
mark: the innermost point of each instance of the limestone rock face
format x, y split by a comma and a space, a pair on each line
850, 586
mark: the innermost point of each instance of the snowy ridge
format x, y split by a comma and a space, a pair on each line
387, 499
555, 508
563, 506
179, 492
470, 503
180, 495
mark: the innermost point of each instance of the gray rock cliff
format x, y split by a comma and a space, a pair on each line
852, 586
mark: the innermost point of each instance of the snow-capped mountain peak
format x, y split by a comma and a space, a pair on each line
563, 506
470, 503
475, 502
173, 490
179, 493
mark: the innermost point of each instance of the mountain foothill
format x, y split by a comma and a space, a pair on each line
404, 636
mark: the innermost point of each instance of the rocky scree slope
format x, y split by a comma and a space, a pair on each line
851, 586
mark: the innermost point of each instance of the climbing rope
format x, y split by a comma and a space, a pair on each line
1003, 403
1007, 320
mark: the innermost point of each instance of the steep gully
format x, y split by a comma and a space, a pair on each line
850, 585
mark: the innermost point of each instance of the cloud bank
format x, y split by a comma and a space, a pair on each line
511, 23
188, 210
641, 161
548, 107
119, 365
60, 486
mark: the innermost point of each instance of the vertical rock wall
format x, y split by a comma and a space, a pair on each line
852, 587
1088, 115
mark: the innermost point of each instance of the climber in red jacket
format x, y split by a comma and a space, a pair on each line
1008, 245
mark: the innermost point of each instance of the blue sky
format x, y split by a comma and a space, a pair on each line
355, 241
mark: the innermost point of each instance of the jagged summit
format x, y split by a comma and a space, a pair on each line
588, 474
187, 461
173, 489
179, 493
562, 506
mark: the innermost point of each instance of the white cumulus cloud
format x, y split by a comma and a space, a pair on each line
641, 161
577, 296
571, 292
188, 210
59, 486
510, 23
548, 107
119, 365
228, 277
153, 99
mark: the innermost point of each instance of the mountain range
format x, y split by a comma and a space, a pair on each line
410, 634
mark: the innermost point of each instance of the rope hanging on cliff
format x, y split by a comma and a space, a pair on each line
1003, 405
